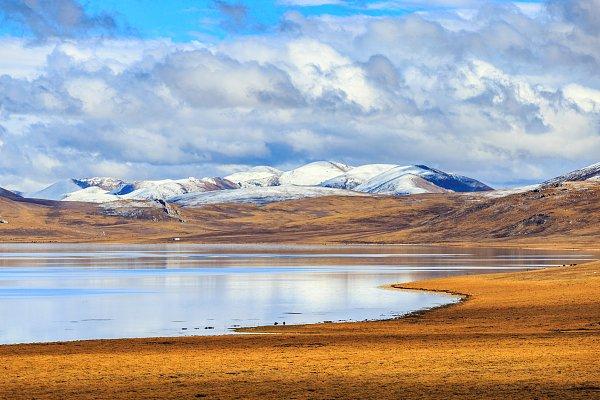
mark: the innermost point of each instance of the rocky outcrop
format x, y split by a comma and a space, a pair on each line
170, 211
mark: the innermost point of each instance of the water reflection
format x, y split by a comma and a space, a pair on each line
68, 292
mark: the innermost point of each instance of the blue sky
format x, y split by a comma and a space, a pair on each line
186, 20
505, 92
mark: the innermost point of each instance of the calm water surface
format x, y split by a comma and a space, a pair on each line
72, 292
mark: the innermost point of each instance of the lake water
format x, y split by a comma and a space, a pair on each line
72, 292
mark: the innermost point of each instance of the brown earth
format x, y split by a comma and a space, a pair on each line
563, 216
528, 335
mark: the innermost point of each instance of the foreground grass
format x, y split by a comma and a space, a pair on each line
519, 335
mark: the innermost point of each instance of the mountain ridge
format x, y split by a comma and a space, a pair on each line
591, 172
371, 179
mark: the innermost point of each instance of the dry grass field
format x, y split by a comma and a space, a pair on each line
563, 216
528, 335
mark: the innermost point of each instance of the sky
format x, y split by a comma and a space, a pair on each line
506, 92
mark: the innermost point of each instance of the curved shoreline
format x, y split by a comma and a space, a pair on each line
530, 334
259, 329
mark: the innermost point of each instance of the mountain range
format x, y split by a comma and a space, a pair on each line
563, 210
261, 185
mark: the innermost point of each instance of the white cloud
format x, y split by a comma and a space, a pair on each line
586, 98
511, 97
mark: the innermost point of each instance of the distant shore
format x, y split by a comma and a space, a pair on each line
591, 246
531, 334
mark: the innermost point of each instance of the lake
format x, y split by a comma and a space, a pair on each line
56, 292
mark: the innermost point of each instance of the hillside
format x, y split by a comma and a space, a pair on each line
8, 194
591, 172
568, 214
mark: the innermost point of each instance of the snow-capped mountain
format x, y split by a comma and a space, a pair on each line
416, 179
92, 194
59, 190
591, 172
313, 174
400, 185
266, 184
101, 190
257, 176
258, 195
357, 176
62, 189
167, 188
106, 183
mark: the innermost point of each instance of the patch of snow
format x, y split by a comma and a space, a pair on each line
106, 183
591, 172
258, 195
164, 189
92, 194
403, 180
507, 192
257, 176
313, 174
62, 189
357, 176
399, 185
59, 190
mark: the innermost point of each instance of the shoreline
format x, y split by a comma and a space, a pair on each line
268, 329
256, 330
530, 334
569, 246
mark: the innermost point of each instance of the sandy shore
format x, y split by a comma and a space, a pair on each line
519, 335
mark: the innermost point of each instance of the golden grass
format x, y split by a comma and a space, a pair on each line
527, 335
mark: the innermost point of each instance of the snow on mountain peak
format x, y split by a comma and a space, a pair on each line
257, 176
315, 179
357, 176
59, 190
167, 188
394, 181
106, 183
591, 172
92, 194
399, 184
313, 174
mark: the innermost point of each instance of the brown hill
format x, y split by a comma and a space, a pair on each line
568, 214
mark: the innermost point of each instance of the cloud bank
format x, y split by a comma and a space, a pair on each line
495, 93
